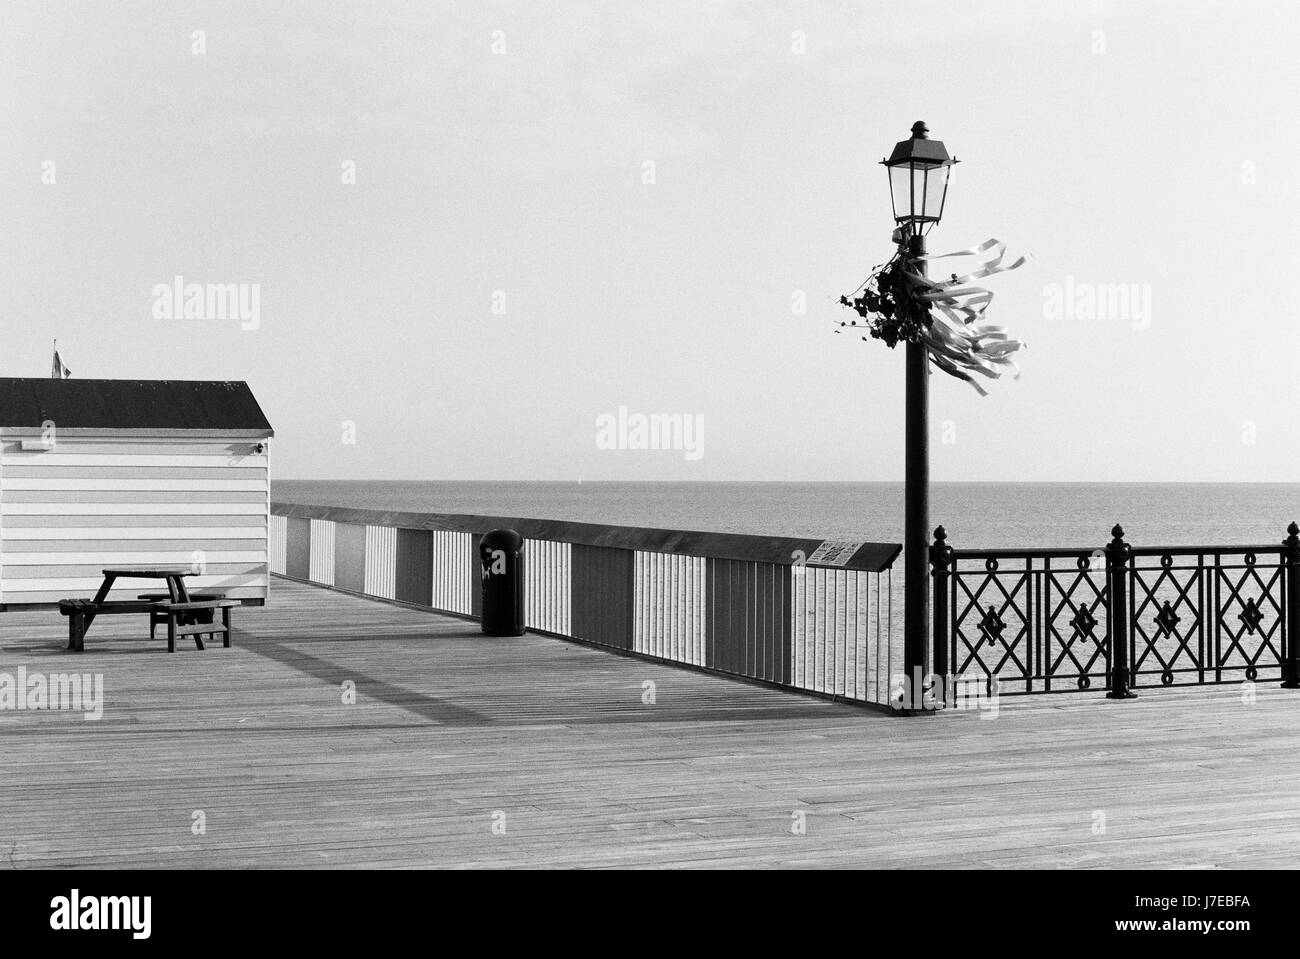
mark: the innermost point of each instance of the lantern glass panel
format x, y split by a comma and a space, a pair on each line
900, 189
936, 186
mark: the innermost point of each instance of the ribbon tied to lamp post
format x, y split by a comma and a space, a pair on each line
961, 341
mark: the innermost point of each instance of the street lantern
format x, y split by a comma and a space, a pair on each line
919, 170
898, 304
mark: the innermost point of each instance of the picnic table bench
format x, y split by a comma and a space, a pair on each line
184, 614
82, 612
181, 620
158, 617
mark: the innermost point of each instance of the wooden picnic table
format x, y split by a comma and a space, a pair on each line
174, 577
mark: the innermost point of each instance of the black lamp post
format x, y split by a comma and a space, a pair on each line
919, 169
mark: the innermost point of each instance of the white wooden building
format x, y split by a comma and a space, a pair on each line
131, 473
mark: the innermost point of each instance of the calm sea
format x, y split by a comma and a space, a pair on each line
975, 514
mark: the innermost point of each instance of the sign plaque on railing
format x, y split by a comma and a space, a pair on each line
833, 552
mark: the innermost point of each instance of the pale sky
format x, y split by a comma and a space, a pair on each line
1153, 144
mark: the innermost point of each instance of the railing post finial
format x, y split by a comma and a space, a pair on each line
1291, 646
940, 551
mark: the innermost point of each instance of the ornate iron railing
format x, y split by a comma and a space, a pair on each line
1041, 620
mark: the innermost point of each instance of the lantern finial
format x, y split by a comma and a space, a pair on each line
920, 131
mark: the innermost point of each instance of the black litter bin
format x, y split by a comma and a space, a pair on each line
501, 562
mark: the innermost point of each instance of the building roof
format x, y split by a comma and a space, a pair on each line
130, 405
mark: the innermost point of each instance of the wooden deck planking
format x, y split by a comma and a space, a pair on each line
451, 726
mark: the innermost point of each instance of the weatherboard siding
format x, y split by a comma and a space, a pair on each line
96, 502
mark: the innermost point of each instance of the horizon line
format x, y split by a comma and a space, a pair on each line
897, 482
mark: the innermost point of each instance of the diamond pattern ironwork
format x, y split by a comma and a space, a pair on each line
1250, 616
1167, 620
991, 626
1084, 622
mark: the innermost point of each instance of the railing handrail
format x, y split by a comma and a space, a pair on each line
1204, 550
1076, 553
1026, 553
777, 550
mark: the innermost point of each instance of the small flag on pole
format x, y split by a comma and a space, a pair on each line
57, 370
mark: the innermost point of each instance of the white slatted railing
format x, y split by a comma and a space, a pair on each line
452, 588
548, 599
670, 612
830, 631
